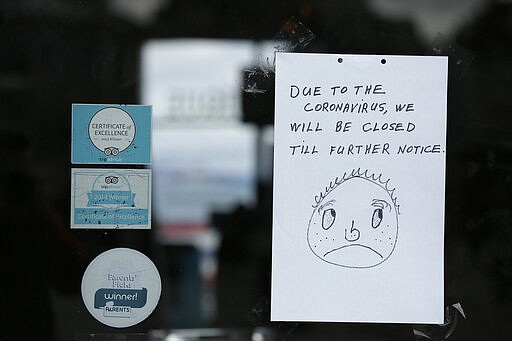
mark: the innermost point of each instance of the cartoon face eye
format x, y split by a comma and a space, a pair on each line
328, 218
377, 217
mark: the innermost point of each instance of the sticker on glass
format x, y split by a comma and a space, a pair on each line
121, 287
111, 134
111, 198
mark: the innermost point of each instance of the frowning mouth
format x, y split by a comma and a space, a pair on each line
350, 245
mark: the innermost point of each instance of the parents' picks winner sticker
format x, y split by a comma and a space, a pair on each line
111, 134
121, 287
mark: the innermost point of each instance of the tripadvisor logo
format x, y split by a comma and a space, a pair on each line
111, 130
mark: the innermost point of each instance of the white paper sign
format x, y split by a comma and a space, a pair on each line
359, 174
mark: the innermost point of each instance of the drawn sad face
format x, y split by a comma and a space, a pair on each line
355, 225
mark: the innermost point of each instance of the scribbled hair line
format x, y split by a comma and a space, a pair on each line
357, 173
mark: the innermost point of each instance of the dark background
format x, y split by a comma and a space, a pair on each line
56, 52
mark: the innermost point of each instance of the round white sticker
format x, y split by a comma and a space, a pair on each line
111, 130
121, 287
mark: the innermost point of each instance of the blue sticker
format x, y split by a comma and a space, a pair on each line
110, 134
111, 198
